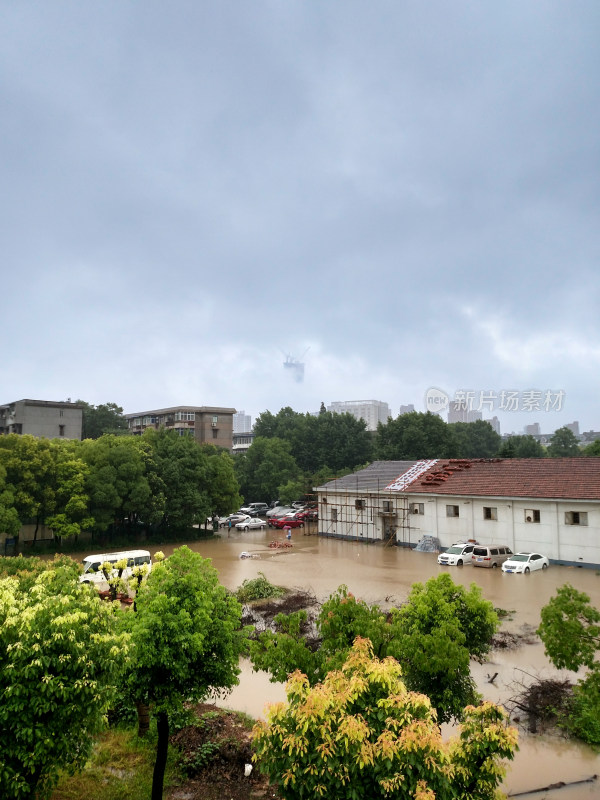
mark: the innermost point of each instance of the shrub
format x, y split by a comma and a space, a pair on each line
258, 588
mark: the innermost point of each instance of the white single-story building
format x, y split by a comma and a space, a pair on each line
550, 505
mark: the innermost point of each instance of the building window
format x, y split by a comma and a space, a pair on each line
215, 433
532, 515
452, 511
61, 430
418, 508
360, 504
215, 419
61, 413
576, 518
490, 512
334, 514
324, 500
387, 506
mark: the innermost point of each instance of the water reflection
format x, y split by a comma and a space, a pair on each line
376, 573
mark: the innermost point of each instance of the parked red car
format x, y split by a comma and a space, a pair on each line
309, 515
286, 522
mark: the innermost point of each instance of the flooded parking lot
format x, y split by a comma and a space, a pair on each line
378, 574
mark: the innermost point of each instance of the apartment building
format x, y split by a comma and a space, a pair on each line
42, 418
207, 424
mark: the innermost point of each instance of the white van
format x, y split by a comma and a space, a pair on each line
91, 564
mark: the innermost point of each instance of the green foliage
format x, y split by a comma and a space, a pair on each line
564, 443
333, 441
185, 634
583, 720
45, 480
433, 636
475, 439
60, 660
438, 630
258, 588
570, 629
415, 435
266, 466
522, 447
592, 449
360, 735
101, 419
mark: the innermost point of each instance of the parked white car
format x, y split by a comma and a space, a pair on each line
525, 562
457, 555
250, 524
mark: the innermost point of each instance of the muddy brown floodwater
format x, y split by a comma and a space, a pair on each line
376, 573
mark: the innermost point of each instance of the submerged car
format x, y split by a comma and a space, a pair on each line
525, 562
457, 555
285, 522
251, 524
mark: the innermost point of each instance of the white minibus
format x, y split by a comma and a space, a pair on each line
91, 564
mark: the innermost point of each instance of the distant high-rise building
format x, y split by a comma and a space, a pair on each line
573, 426
495, 423
533, 429
242, 422
372, 411
457, 412
407, 409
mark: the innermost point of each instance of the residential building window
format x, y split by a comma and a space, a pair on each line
215, 419
490, 512
418, 508
61, 430
334, 514
387, 506
360, 504
576, 518
61, 413
452, 511
215, 433
532, 515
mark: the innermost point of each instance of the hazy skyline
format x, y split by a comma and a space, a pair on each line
405, 193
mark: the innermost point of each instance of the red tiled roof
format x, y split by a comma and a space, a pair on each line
568, 478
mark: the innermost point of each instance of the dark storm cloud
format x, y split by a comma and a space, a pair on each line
410, 190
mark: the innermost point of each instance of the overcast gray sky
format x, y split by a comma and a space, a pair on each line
193, 190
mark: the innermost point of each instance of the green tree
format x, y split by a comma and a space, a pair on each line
522, 447
186, 641
122, 482
334, 441
592, 449
266, 466
475, 439
360, 735
433, 636
222, 484
45, 479
414, 436
60, 661
182, 468
570, 631
10, 524
564, 443
101, 419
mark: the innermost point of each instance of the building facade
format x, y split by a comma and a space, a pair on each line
547, 505
207, 424
372, 411
42, 418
